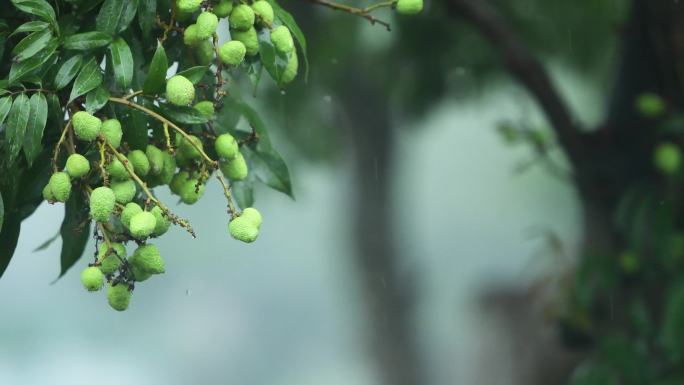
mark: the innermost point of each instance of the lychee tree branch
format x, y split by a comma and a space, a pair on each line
361, 12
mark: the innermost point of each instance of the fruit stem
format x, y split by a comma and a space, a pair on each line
55, 153
226, 191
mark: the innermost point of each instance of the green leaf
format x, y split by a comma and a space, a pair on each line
270, 169
134, 126
292, 25
182, 114
2, 211
8, 239
47, 243
55, 112
122, 62
75, 231
35, 127
5, 105
87, 41
96, 99
30, 26
67, 71
31, 44
17, 121
89, 78
243, 192
40, 8
156, 75
147, 12
194, 74
268, 57
27, 67
116, 15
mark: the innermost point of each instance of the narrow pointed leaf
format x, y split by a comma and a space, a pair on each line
156, 75
35, 127
31, 44
5, 105
17, 121
122, 62
89, 78
67, 71
75, 231
87, 40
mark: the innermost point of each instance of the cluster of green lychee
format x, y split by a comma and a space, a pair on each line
244, 21
117, 181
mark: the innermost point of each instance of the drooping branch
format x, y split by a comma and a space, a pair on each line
525, 67
361, 12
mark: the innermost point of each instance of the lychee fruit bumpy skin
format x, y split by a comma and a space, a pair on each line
264, 12
206, 25
243, 229
409, 7
282, 39
180, 91
110, 259
249, 39
232, 53
60, 185
77, 165
142, 224
128, 212
111, 132
102, 202
124, 191
86, 126
226, 146
241, 18
119, 296
92, 278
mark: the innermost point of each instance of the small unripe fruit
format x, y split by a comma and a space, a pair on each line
155, 156
190, 193
226, 146
188, 150
102, 202
667, 158
142, 224
253, 215
223, 8
409, 7
86, 126
241, 18
139, 274
47, 194
282, 39
204, 52
77, 165
147, 259
117, 170
129, 211
206, 108
264, 12
291, 68
650, 105
163, 223
178, 181
188, 6
139, 161
119, 296
232, 52
124, 191
206, 25
111, 132
110, 259
249, 39
190, 35
243, 229
168, 169
60, 185
180, 91
235, 169
92, 278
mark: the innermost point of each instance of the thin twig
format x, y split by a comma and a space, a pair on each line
364, 13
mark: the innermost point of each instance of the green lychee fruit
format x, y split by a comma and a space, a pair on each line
206, 25
189, 150
206, 108
282, 39
155, 156
102, 202
190, 35
92, 278
163, 223
232, 53
124, 191
409, 7
110, 259
180, 91
249, 39
188, 6
142, 224
223, 8
264, 12
77, 165
253, 215
235, 169
291, 69
190, 193
111, 132
242, 229
129, 211
86, 126
226, 146
241, 18
667, 158
166, 174
140, 163
148, 259
117, 170
178, 181
119, 296
60, 185
650, 105
204, 52
47, 194
139, 275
